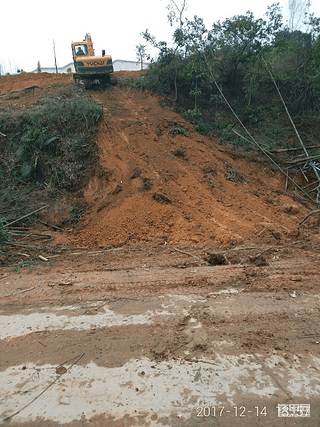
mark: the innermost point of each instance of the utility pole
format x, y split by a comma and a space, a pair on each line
55, 58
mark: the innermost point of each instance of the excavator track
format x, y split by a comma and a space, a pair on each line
95, 81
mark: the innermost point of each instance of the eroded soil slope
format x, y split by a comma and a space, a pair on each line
160, 181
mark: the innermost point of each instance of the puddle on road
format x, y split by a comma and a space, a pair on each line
145, 388
21, 324
51, 318
157, 392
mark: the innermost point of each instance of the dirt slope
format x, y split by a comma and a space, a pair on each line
162, 181
15, 83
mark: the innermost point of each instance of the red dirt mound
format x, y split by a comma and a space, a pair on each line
160, 181
9, 84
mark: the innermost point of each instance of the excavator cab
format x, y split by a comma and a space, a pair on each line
81, 50
91, 70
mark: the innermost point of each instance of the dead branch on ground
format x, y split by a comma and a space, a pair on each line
43, 391
309, 214
25, 216
194, 256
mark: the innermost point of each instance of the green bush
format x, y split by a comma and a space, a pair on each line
48, 143
195, 117
179, 131
50, 147
4, 234
230, 57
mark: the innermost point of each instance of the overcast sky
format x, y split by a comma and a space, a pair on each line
28, 27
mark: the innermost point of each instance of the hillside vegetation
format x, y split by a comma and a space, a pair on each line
47, 147
235, 62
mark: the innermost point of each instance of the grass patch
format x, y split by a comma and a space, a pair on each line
4, 235
179, 131
233, 175
50, 146
136, 83
28, 264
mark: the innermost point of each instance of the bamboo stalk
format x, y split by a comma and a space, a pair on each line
21, 292
284, 150
25, 216
51, 225
20, 246
305, 159
43, 391
290, 118
305, 176
309, 185
18, 233
241, 249
274, 163
187, 253
314, 189
309, 214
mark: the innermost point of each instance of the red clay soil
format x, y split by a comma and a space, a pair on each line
9, 84
160, 181
158, 184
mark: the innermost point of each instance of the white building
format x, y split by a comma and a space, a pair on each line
122, 65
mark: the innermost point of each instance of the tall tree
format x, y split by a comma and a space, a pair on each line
141, 54
171, 56
297, 11
176, 10
235, 44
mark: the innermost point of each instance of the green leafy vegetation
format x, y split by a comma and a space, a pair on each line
50, 143
27, 264
4, 235
200, 64
179, 131
132, 82
233, 175
49, 146
195, 117
75, 214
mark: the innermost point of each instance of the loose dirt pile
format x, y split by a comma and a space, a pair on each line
160, 181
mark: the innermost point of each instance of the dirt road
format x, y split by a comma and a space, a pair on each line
159, 339
181, 298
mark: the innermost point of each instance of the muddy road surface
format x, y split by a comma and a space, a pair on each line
153, 337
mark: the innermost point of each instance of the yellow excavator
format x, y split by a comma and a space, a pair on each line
90, 70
